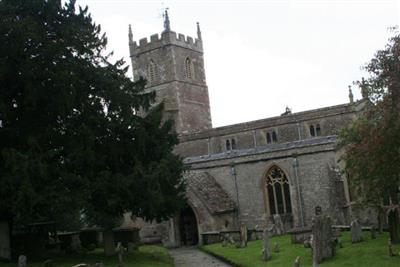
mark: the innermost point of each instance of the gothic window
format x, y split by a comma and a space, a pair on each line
318, 130
268, 138
228, 145
189, 68
233, 143
277, 191
312, 130
274, 137
271, 137
151, 71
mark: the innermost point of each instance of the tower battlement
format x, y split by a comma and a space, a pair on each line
166, 38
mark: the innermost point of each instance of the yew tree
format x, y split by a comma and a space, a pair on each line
372, 142
71, 144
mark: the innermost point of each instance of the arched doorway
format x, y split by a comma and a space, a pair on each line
188, 227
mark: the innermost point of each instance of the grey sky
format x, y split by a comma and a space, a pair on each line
261, 56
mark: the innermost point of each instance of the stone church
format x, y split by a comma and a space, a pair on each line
247, 172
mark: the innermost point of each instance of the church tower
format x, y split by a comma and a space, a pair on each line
173, 66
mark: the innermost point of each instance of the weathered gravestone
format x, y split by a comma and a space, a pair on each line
22, 261
243, 236
266, 255
279, 228
277, 248
297, 262
120, 251
356, 231
322, 239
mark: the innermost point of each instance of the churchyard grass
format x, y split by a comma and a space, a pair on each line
148, 255
369, 253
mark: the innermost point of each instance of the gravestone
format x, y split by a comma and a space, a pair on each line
277, 248
75, 242
297, 262
120, 251
243, 236
322, 239
279, 228
22, 261
356, 231
266, 255
390, 246
5, 248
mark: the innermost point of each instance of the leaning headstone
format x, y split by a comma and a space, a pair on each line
297, 262
356, 231
322, 239
243, 235
266, 255
22, 261
232, 240
277, 248
308, 242
279, 228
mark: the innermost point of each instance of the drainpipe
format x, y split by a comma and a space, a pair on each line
296, 165
233, 173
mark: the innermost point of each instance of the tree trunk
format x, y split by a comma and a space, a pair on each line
394, 226
109, 245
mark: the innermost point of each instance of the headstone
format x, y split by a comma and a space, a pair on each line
266, 255
243, 235
232, 240
120, 251
279, 228
390, 246
356, 231
322, 239
5, 247
22, 261
297, 262
277, 248
75, 242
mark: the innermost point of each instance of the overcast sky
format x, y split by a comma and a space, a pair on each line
261, 56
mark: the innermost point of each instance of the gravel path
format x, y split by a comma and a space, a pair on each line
193, 257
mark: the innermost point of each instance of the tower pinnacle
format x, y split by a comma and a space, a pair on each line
130, 35
167, 26
198, 31
351, 95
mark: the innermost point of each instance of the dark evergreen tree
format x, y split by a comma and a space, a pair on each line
71, 144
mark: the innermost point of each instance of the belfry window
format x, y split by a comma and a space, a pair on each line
151, 71
188, 68
277, 192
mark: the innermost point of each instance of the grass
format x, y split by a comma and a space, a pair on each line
369, 253
154, 256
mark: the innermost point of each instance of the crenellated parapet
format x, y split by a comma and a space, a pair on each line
166, 38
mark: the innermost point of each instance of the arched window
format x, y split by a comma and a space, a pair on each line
268, 138
228, 145
188, 68
151, 71
277, 191
312, 130
274, 137
318, 130
233, 143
